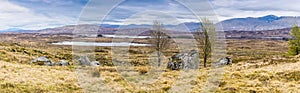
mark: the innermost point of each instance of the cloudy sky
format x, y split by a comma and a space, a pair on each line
40, 14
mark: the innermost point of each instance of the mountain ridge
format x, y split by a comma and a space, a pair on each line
268, 22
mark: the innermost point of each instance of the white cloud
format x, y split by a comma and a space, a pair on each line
141, 15
27, 15
96, 10
147, 17
16, 16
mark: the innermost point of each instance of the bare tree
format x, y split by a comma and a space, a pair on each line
205, 37
159, 39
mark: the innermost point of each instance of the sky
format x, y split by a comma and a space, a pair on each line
41, 14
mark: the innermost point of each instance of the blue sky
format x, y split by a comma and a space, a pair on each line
40, 14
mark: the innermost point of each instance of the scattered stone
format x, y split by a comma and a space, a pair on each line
62, 63
84, 61
224, 61
185, 61
41, 61
95, 63
47, 62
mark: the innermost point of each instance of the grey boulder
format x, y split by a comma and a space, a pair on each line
41, 61
95, 63
62, 63
84, 61
224, 61
185, 61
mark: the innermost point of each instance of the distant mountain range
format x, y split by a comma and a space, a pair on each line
269, 22
13, 30
180, 27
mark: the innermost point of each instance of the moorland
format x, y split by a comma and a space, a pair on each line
258, 66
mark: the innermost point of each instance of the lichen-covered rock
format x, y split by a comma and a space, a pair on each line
41, 61
185, 60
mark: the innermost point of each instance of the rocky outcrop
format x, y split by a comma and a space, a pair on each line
224, 61
84, 61
185, 61
41, 61
44, 61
